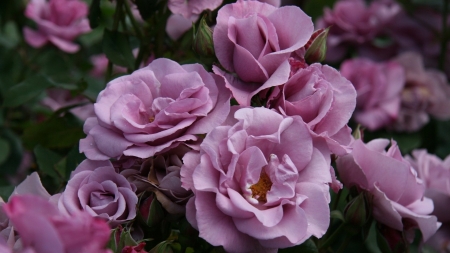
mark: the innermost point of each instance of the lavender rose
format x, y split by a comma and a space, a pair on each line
353, 24
435, 174
426, 92
154, 109
252, 39
323, 98
44, 229
262, 182
95, 187
58, 22
379, 87
398, 194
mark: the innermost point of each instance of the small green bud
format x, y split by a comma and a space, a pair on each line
151, 211
203, 41
356, 212
316, 48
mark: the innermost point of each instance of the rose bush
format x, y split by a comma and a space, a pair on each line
96, 188
58, 22
252, 40
44, 229
323, 98
154, 109
262, 181
398, 194
379, 87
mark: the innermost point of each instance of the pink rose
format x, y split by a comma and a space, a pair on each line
154, 109
44, 229
440, 241
323, 98
177, 25
355, 25
398, 194
262, 182
58, 22
379, 87
96, 188
59, 98
426, 92
252, 39
435, 174
188, 8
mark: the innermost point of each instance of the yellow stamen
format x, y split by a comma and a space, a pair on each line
260, 189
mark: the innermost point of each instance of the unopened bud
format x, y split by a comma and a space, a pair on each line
316, 48
203, 41
151, 211
356, 211
358, 133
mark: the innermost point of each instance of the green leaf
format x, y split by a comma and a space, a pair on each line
56, 132
95, 14
117, 48
12, 163
4, 150
26, 90
47, 160
74, 158
307, 247
10, 36
5, 191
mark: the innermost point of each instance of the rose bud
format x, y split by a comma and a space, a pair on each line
151, 211
316, 48
203, 42
357, 212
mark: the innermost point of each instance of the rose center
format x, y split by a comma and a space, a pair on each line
260, 189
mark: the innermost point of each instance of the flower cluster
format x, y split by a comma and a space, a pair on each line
240, 144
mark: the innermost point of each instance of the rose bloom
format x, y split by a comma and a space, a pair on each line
259, 184
252, 40
154, 109
161, 174
426, 92
188, 8
44, 229
355, 25
379, 87
398, 194
98, 189
58, 22
435, 174
323, 98
30, 186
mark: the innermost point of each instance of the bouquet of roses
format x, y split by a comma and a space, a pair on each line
212, 126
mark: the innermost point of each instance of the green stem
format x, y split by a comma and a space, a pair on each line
116, 21
444, 37
133, 21
333, 237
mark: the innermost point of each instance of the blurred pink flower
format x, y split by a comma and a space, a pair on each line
324, 99
58, 22
155, 109
44, 229
398, 194
177, 25
355, 25
98, 189
435, 174
262, 181
252, 39
58, 98
100, 63
189, 8
426, 92
30, 186
379, 87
